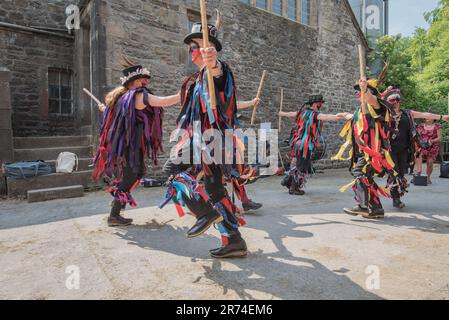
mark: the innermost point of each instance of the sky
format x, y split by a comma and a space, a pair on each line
405, 15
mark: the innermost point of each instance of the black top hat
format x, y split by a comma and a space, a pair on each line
133, 73
314, 99
197, 32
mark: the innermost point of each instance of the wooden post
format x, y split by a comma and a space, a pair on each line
210, 79
280, 109
362, 62
259, 92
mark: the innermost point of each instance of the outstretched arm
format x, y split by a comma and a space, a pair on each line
429, 116
163, 102
247, 104
157, 102
335, 117
288, 114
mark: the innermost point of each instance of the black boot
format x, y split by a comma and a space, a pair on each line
296, 191
115, 219
356, 210
203, 223
374, 213
235, 249
397, 203
286, 181
247, 206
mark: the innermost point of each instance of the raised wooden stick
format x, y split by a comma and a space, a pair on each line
259, 92
280, 109
210, 79
92, 96
362, 62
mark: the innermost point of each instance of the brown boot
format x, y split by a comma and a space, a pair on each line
118, 221
115, 219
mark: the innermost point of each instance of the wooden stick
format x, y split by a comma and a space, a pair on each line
210, 79
448, 103
259, 92
362, 62
280, 109
92, 96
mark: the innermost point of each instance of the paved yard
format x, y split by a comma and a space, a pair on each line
301, 248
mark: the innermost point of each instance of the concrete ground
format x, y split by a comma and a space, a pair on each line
301, 248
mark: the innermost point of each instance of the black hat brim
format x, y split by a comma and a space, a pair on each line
140, 76
199, 35
373, 90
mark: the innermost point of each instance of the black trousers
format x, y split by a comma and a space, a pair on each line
363, 196
129, 178
400, 159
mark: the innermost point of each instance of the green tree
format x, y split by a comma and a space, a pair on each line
394, 50
419, 65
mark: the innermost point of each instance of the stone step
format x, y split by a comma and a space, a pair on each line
51, 141
20, 187
86, 130
50, 153
55, 193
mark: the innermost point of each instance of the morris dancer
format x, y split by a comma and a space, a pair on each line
369, 138
131, 131
237, 179
304, 139
403, 141
216, 206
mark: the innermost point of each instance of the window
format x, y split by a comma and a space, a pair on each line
305, 12
60, 91
277, 7
296, 10
262, 4
292, 7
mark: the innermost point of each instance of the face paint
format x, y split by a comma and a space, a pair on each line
144, 82
195, 54
195, 51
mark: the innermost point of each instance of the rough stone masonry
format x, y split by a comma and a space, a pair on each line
320, 58
302, 59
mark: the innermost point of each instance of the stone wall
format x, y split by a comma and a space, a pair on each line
304, 60
29, 55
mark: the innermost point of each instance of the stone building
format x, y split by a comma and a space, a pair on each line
307, 47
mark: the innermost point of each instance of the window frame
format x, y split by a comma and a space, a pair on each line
60, 99
285, 10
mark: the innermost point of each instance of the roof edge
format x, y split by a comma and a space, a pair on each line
357, 25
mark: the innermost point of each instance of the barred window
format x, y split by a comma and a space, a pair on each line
60, 98
296, 10
292, 8
262, 4
305, 12
277, 7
